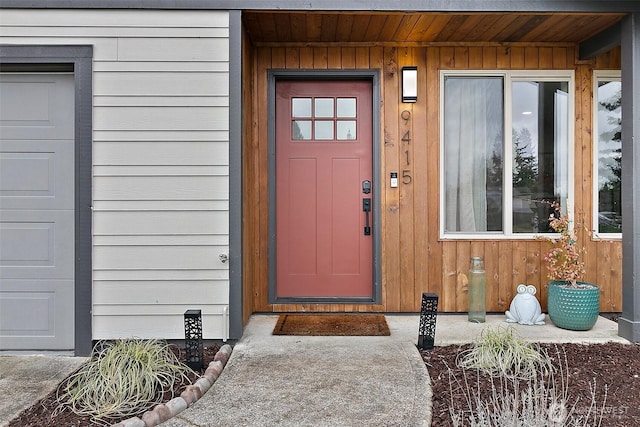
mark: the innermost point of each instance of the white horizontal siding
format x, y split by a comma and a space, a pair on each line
142, 84
79, 31
165, 135
160, 275
161, 118
95, 20
160, 162
149, 223
161, 325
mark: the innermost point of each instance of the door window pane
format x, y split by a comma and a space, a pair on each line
324, 107
324, 129
346, 107
346, 129
473, 147
609, 140
301, 130
540, 143
301, 107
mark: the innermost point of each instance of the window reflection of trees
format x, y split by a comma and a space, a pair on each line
610, 157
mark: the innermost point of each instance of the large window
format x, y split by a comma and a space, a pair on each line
608, 153
506, 151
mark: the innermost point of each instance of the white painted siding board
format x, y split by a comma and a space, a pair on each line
103, 275
164, 293
159, 118
102, 48
153, 309
167, 326
159, 205
111, 32
165, 135
158, 258
161, 170
116, 18
161, 188
160, 86
163, 240
161, 153
175, 49
160, 101
210, 66
168, 222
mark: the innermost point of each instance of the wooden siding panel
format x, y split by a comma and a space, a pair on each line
489, 57
256, 255
432, 142
420, 186
492, 267
406, 164
306, 57
391, 257
545, 59
292, 57
503, 58
414, 258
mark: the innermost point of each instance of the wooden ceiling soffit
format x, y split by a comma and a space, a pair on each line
321, 28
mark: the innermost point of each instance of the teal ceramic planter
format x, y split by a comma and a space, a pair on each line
576, 309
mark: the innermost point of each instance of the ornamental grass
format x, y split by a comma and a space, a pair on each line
122, 379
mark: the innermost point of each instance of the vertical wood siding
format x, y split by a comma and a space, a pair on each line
414, 258
160, 162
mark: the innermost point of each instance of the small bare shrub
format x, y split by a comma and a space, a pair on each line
540, 400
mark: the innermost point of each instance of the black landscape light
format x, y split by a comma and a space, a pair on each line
193, 339
427, 329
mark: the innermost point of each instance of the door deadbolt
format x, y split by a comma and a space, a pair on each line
366, 186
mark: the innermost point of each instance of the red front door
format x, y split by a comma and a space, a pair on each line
323, 164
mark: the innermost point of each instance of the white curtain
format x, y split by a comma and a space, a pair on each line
472, 128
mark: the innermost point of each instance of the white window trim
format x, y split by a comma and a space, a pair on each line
510, 76
598, 76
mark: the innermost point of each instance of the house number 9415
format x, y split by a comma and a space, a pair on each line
406, 139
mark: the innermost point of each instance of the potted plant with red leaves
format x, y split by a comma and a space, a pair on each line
572, 303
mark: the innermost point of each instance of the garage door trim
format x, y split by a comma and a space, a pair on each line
36, 58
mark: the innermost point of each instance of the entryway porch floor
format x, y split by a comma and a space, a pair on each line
305, 381
343, 381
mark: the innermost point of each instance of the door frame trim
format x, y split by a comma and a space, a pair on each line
372, 75
40, 57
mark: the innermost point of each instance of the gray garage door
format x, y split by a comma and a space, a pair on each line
36, 211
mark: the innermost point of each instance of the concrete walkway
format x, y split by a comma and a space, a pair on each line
318, 381
26, 379
305, 381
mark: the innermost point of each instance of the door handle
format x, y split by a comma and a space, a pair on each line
366, 208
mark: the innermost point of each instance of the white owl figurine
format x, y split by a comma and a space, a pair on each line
525, 308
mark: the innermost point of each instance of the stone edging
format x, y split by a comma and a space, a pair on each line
188, 397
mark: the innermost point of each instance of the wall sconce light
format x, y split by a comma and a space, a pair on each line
409, 84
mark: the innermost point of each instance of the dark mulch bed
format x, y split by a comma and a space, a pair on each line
614, 366
41, 413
